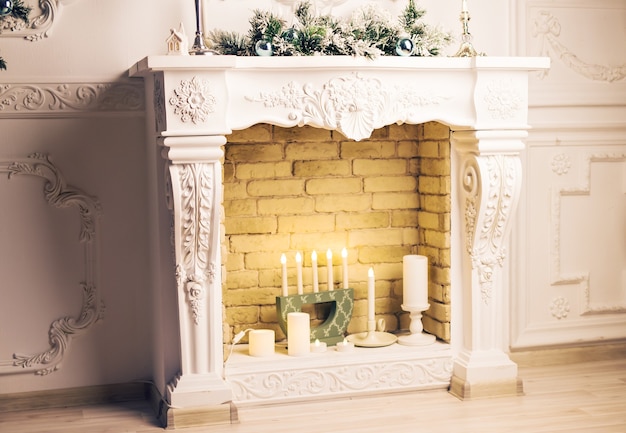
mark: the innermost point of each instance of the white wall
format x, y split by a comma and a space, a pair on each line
98, 146
571, 240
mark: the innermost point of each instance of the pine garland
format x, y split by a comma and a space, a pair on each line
371, 32
19, 11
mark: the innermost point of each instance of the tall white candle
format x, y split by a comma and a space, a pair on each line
261, 342
371, 295
299, 272
298, 334
464, 6
316, 284
415, 281
329, 261
344, 262
283, 261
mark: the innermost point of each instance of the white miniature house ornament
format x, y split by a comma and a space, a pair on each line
177, 43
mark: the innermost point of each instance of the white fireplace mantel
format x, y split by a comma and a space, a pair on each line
195, 101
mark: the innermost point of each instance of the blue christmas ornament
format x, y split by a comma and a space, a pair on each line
404, 47
264, 48
6, 7
291, 35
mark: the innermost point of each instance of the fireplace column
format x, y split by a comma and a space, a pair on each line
194, 198
489, 175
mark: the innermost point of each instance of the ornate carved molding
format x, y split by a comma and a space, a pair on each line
193, 100
62, 99
504, 100
195, 265
40, 25
490, 183
353, 104
338, 377
62, 331
548, 29
560, 307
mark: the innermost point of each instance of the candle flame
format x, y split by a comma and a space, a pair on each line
298, 257
283, 259
370, 272
329, 254
344, 253
317, 342
314, 256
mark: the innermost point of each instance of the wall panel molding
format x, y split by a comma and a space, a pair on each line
26, 100
44, 16
61, 195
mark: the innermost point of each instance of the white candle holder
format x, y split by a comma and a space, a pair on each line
417, 336
372, 338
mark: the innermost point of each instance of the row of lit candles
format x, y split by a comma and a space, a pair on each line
329, 266
371, 295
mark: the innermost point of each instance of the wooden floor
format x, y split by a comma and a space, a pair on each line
576, 398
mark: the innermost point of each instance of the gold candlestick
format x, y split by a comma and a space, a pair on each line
466, 49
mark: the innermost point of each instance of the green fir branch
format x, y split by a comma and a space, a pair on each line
19, 11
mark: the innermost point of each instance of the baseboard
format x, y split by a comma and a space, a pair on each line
569, 354
67, 397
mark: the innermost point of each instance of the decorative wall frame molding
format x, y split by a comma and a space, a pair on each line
548, 29
40, 25
557, 276
61, 195
70, 99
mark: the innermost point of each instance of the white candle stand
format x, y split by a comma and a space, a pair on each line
417, 337
372, 338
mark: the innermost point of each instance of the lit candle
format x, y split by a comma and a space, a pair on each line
345, 346
329, 260
283, 261
299, 272
344, 259
464, 6
415, 281
261, 342
316, 284
371, 295
298, 334
318, 346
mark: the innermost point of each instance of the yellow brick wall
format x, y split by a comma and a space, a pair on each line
303, 189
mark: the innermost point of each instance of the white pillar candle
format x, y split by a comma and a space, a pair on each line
261, 342
329, 261
283, 262
464, 6
299, 272
371, 295
318, 346
415, 281
298, 334
344, 262
316, 284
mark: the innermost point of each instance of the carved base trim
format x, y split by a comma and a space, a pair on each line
281, 378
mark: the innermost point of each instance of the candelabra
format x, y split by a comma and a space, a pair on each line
199, 47
466, 49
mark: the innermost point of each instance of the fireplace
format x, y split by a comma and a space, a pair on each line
199, 101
